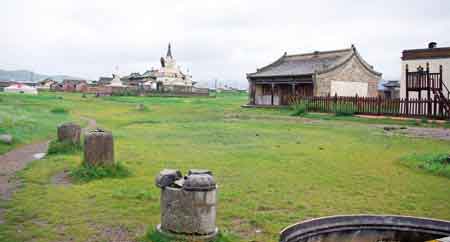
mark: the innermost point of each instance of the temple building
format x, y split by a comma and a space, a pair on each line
338, 72
168, 78
170, 75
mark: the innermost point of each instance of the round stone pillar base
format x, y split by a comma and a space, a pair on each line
188, 237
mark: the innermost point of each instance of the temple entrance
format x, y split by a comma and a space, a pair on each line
280, 93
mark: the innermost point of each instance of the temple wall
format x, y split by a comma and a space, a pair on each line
352, 72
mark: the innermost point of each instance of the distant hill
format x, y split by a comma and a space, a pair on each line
25, 75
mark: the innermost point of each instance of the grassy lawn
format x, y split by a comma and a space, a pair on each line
273, 169
29, 119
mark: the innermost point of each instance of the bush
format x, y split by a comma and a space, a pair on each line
434, 163
424, 120
438, 165
300, 109
56, 147
86, 173
344, 109
59, 110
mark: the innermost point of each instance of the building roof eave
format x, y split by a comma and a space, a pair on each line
344, 61
279, 60
278, 76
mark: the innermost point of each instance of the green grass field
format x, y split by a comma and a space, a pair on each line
273, 169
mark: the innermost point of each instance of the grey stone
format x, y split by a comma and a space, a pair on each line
99, 148
140, 107
199, 171
167, 177
186, 212
69, 132
199, 182
189, 211
6, 139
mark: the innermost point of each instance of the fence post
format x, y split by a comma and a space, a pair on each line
335, 102
429, 90
379, 105
356, 103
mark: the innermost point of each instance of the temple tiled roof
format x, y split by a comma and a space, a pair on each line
303, 64
308, 64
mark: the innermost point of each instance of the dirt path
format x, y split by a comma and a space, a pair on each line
14, 161
417, 132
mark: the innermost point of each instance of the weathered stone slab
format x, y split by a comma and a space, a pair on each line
99, 148
186, 212
188, 205
69, 132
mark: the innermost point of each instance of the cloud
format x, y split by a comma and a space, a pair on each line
214, 39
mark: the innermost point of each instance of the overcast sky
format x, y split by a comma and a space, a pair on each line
214, 39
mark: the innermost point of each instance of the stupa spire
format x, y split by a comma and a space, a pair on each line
169, 52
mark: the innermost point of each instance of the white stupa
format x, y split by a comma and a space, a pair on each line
116, 82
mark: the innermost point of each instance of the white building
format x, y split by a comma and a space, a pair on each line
21, 88
169, 77
170, 74
416, 58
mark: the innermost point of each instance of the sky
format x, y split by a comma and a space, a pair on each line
221, 40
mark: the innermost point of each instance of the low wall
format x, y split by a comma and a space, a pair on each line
366, 228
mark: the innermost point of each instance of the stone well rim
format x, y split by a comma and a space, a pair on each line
317, 226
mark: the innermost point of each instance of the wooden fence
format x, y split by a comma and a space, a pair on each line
412, 107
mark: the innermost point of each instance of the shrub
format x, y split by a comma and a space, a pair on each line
86, 173
300, 109
344, 109
56, 147
59, 110
434, 163
438, 164
424, 120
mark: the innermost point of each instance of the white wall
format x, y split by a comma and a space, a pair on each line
434, 67
348, 89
